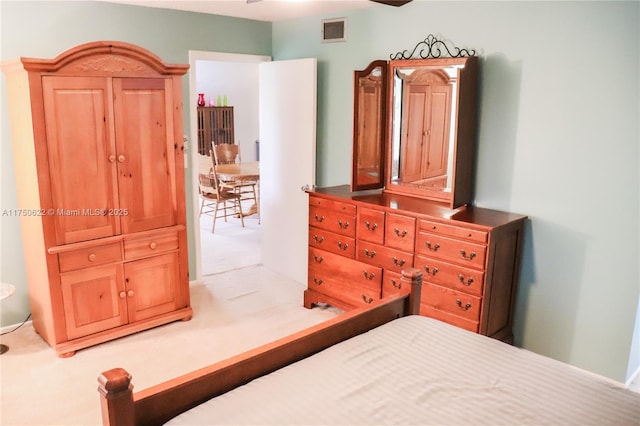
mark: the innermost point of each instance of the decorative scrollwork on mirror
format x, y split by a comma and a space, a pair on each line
429, 134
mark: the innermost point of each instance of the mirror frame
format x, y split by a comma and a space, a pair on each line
356, 184
462, 173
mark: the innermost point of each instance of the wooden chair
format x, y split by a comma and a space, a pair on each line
226, 153
218, 199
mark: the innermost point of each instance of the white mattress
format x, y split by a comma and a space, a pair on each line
417, 370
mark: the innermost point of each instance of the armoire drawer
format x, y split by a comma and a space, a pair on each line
333, 221
449, 275
400, 232
150, 246
89, 257
370, 225
330, 241
384, 257
453, 231
458, 251
454, 302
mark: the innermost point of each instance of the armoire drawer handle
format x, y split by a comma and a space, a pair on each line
92, 257
465, 307
343, 246
371, 227
369, 276
399, 262
434, 247
317, 259
318, 218
467, 282
428, 270
121, 158
122, 295
370, 254
465, 257
367, 300
318, 240
130, 293
342, 225
112, 158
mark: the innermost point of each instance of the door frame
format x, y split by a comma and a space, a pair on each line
195, 56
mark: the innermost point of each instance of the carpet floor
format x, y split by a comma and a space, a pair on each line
234, 311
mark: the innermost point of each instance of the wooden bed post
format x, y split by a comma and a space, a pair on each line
116, 398
413, 278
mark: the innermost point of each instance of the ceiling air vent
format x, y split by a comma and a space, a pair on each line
334, 30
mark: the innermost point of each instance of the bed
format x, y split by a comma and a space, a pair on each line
377, 365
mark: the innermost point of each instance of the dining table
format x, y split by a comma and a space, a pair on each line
239, 173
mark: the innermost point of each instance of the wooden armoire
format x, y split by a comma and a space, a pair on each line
98, 145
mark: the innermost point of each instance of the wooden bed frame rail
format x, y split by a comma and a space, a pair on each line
158, 404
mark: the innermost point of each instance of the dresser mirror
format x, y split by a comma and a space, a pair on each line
370, 117
429, 136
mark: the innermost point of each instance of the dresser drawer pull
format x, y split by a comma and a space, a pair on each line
122, 295
434, 247
92, 257
465, 257
371, 227
317, 259
370, 254
369, 300
467, 282
343, 246
318, 218
399, 233
153, 245
428, 270
318, 240
317, 281
465, 307
399, 262
344, 225
130, 293
396, 284
369, 276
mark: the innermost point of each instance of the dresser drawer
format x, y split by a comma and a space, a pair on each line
332, 242
333, 221
371, 225
460, 252
324, 204
453, 302
328, 284
149, 246
453, 231
384, 257
392, 284
94, 256
400, 232
449, 275
335, 267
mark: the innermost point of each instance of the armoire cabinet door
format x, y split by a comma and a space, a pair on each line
93, 299
151, 286
145, 152
81, 157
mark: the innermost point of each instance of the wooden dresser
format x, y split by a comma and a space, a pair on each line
359, 242
99, 157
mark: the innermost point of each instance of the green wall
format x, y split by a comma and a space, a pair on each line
43, 29
558, 140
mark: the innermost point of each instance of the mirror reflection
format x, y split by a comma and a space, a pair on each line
423, 134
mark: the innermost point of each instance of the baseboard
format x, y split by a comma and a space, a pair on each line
635, 376
9, 328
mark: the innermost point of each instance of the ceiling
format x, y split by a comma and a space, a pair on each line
261, 10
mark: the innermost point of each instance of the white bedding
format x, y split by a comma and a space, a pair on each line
416, 370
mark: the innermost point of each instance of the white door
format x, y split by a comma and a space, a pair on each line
287, 162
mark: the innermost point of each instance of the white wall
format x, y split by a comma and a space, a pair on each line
558, 140
239, 82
